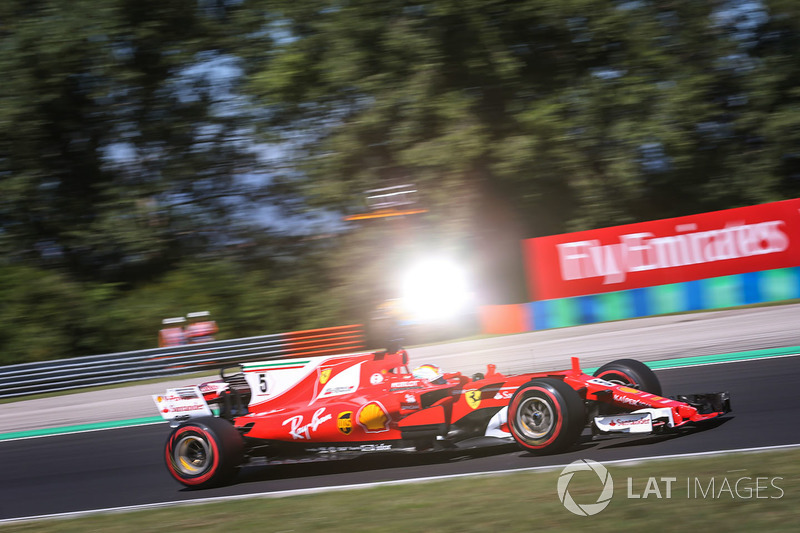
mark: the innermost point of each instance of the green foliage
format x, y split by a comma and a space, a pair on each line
571, 114
47, 316
519, 119
130, 169
38, 313
116, 158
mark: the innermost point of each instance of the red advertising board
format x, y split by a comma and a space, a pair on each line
672, 250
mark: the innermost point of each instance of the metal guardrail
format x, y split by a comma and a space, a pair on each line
67, 374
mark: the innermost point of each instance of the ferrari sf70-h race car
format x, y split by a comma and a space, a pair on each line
343, 405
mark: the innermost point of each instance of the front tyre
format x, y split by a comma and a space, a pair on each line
546, 416
204, 452
631, 373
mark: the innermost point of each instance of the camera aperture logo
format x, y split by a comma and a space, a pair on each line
586, 509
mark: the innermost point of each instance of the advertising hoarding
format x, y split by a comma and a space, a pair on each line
659, 252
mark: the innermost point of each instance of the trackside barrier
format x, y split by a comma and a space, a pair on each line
324, 341
67, 374
504, 319
711, 293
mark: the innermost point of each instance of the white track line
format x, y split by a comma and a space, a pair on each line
362, 486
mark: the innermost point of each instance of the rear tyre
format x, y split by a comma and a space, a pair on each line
546, 416
204, 452
631, 373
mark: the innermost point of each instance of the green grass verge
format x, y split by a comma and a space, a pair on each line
522, 501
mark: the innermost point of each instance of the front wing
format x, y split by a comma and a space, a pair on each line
683, 410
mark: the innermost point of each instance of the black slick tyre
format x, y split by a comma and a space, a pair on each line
204, 452
631, 373
546, 416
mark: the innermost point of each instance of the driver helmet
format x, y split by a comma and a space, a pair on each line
430, 373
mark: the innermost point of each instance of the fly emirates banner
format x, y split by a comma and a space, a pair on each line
672, 250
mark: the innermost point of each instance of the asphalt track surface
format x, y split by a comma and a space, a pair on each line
124, 467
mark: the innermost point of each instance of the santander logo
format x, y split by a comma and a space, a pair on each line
624, 423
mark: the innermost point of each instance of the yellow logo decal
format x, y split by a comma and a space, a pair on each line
373, 418
345, 422
628, 390
473, 398
325, 376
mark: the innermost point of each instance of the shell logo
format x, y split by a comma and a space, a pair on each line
373, 418
628, 390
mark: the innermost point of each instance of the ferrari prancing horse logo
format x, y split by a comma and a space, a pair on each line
324, 376
473, 398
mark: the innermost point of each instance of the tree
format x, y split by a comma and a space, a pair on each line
769, 100
518, 118
120, 151
139, 138
129, 178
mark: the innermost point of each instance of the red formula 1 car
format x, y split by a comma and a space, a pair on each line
352, 404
